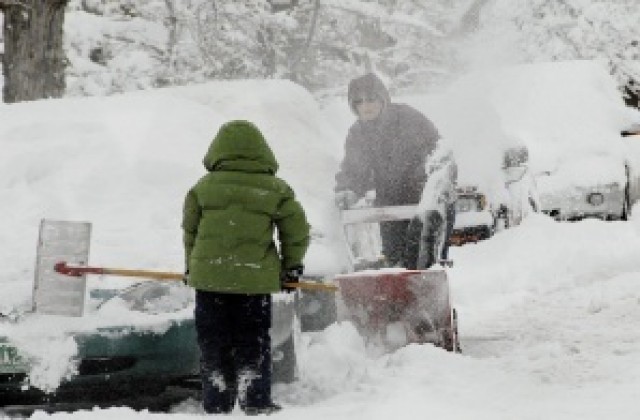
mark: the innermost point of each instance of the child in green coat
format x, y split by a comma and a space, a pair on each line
233, 263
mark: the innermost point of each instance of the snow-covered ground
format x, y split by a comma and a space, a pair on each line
548, 311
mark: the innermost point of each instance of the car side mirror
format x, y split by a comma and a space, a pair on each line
515, 173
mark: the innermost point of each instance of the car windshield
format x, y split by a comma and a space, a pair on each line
153, 297
467, 204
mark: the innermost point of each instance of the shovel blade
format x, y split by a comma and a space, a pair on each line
55, 293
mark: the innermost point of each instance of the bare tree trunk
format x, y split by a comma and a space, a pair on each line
33, 62
302, 51
167, 74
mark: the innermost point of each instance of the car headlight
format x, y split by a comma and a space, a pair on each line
595, 199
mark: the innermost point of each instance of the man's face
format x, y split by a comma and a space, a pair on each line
368, 107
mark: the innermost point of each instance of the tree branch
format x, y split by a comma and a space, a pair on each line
5, 4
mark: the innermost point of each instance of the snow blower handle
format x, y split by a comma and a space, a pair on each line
78, 271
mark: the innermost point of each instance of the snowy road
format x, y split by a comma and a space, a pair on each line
577, 348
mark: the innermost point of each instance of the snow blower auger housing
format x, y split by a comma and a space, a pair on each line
394, 306
399, 307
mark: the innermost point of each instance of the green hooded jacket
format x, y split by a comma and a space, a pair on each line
230, 216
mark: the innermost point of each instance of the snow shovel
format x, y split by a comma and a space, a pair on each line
53, 294
62, 267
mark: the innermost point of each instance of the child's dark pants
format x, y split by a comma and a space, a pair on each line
235, 346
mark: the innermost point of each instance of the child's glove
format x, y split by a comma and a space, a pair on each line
292, 275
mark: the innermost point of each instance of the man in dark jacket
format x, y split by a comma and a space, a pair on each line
385, 151
234, 265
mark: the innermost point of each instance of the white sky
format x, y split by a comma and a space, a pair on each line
548, 311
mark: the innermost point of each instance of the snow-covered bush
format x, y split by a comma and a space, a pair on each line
559, 30
119, 45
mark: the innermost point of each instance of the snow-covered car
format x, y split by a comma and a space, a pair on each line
495, 188
475, 219
569, 114
601, 184
129, 364
479, 215
605, 198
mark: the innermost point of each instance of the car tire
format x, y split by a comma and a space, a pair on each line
626, 207
451, 339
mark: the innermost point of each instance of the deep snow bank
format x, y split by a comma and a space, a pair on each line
125, 162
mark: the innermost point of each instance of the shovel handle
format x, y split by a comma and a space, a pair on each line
79, 271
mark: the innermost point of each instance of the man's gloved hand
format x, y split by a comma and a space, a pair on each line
345, 199
291, 275
185, 278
